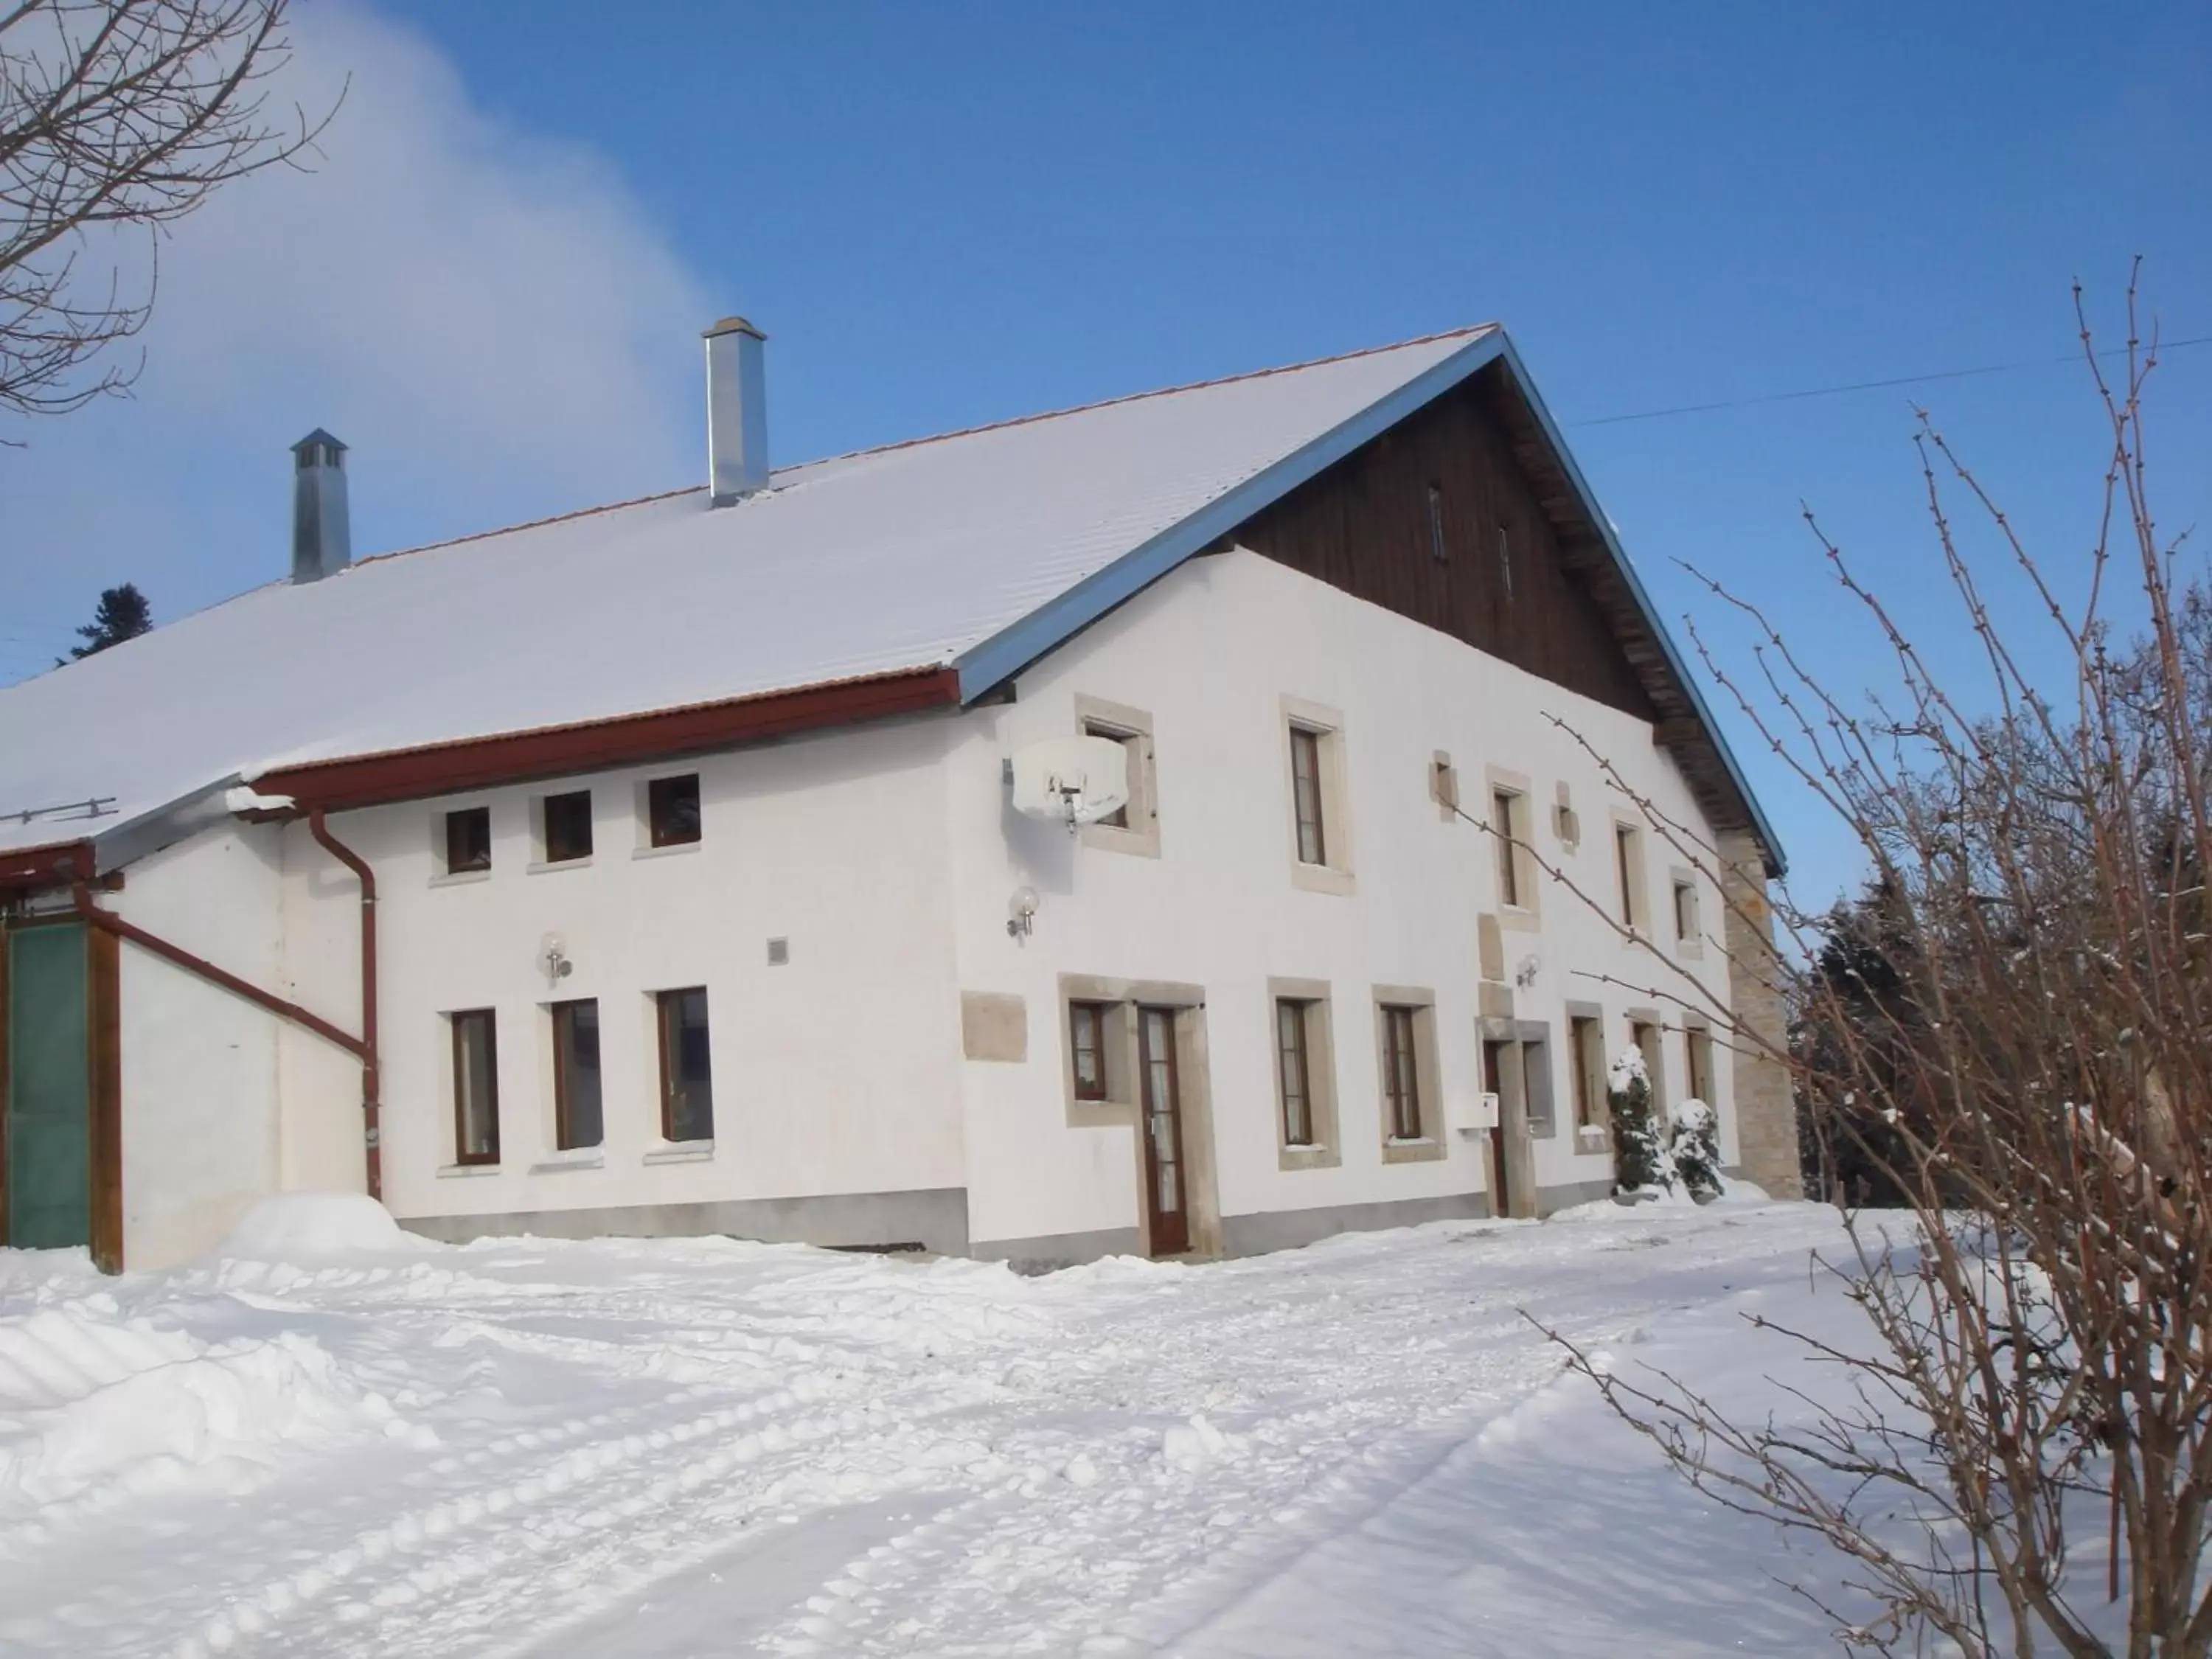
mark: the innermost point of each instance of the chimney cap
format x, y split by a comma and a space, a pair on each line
318, 436
733, 325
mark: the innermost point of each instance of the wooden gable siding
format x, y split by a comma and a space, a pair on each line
1363, 526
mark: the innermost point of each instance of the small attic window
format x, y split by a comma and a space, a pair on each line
1437, 523
1505, 561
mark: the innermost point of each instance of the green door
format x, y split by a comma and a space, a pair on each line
49, 1088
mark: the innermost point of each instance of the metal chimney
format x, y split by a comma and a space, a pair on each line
322, 539
737, 410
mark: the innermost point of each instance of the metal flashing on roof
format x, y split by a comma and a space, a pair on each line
1013, 649
1005, 653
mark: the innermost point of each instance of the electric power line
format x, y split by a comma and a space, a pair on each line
1872, 385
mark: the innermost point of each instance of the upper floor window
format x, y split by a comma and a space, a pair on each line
671, 810
1505, 828
1307, 797
565, 826
1628, 869
468, 840
1135, 826
1437, 549
1685, 910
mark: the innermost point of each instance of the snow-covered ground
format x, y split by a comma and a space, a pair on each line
704, 1447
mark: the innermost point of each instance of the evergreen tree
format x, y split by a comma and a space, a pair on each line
121, 614
1695, 1146
1640, 1160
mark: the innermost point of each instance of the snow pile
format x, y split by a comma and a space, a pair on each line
295, 1226
94, 1403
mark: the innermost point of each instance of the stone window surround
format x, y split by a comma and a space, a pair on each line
1692, 947
1141, 834
1427, 1074
1335, 876
1326, 1151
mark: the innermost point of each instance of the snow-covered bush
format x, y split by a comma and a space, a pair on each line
1694, 1143
1640, 1160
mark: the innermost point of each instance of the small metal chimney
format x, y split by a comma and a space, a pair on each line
737, 410
322, 538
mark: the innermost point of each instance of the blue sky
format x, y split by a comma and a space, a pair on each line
947, 215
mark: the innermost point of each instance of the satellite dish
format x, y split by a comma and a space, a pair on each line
1072, 781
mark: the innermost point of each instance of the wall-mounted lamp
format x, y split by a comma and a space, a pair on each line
1021, 913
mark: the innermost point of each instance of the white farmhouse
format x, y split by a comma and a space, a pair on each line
661, 869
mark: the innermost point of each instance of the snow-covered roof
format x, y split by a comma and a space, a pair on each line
975, 552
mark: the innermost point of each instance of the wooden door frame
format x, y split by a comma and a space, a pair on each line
104, 1079
1171, 1016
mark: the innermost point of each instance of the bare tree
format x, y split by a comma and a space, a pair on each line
116, 115
2018, 1458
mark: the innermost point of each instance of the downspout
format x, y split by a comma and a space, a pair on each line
372, 1080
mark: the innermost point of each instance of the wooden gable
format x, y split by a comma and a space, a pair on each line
1524, 575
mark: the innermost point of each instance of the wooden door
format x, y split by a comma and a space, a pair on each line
47, 1091
1501, 1201
1167, 1196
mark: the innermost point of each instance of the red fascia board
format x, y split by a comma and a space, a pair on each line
52, 865
551, 752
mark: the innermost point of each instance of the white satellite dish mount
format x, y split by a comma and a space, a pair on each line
1071, 781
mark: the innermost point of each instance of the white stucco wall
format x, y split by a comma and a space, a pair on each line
835, 1073
886, 858
200, 1135
1209, 654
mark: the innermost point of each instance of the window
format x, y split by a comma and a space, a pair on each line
1586, 1044
1536, 1087
1401, 1087
1135, 826
1686, 911
1294, 1069
1697, 1048
1306, 794
1086, 1047
1437, 523
476, 1086
671, 812
1628, 857
578, 1120
468, 840
567, 824
1502, 820
1505, 561
687, 1088
1644, 1035
1132, 745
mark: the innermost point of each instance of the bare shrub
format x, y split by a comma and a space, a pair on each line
2013, 1036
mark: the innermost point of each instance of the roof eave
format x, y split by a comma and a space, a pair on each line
990, 662
1776, 863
